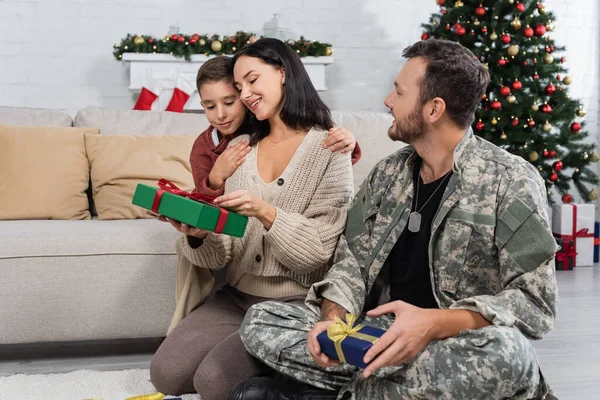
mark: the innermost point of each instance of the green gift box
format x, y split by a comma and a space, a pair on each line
170, 201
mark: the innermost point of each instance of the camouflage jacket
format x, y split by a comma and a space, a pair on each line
491, 249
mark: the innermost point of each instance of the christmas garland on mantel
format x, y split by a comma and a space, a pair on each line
185, 46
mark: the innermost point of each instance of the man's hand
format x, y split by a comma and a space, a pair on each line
340, 139
227, 163
410, 333
245, 203
314, 348
184, 228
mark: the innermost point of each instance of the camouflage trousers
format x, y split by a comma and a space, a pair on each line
489, 363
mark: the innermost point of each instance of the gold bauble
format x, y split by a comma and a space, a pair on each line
516, 23
542, 10
216, 45
567, 80
547, 127
253, 39
536, 50
586, 156
511, 1
328, 51
548, 59
534, 156
511, 99
503, 136
476, 22
550, 26
513, 50
458, 4
593, 194
580, 112
595, 157
494, 121
138, 40
535, 107
493, 36
201, 42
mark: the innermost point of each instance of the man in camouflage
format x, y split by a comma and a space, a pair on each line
467, 285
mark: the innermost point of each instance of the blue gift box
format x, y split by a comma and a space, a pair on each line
596, 242
354, 344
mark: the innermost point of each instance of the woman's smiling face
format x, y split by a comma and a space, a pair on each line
260, 86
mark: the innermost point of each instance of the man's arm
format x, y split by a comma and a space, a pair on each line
330, 310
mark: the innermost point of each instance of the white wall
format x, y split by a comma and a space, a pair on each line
58, 53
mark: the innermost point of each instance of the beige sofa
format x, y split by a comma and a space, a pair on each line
72, 280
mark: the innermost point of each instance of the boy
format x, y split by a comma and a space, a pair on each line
211, 160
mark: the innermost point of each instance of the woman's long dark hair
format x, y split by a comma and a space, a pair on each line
302, 106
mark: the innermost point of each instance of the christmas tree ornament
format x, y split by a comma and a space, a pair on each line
216, 45
550, 89
517, 85
530, 123
458, 4
548, 59
193, 41
494, 121
534, 156
594, 157
502, 62
254, 38
181, 39
515, 122
328, 51
567, 80
520, 7
150, 40
547, 108
511, 99
480, 11
528, 32
567, 198
550, 26
174, 37
493, 36
516, 24
593, 195
553, 177
535, 107
536, 76
496, 105
552, 153
580, 112
424, 36
540, 30
536, 51
542, 9
138, 40
547, 127
202, 42
503, 136
513, 50
586, 156
575, 127
505, 38
557, 165
440, 2
480, 126
504, 91
546, 153
461, 31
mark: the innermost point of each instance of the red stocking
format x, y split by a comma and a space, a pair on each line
151, 89
181, 94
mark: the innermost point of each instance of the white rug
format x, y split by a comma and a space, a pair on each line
80, 385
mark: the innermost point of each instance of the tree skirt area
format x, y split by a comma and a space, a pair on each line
81, 385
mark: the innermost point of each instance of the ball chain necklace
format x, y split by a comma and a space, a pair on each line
414, 219
282, 140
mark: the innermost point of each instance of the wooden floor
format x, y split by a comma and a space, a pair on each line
569, 354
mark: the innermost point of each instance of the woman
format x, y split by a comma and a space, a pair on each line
297, 193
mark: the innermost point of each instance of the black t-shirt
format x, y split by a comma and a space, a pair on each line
409, 259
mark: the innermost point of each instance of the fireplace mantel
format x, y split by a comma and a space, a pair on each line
169, 68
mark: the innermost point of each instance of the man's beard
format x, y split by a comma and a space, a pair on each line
410, 129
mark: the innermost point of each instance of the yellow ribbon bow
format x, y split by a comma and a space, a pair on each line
341, 330
153, 396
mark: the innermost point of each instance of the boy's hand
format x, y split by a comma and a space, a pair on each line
227, 163
340, 139
183, 228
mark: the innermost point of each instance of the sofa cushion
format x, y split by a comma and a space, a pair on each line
119, 162
370, 130
133, 122
43, 238
44, 172
21, 116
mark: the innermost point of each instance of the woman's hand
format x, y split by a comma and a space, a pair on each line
184, 228
245, 203
340, 139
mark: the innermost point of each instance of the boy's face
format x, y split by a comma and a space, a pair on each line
222, 105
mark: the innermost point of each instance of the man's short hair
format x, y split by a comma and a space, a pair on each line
215, 70
454, 74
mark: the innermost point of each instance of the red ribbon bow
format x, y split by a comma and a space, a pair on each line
576, 234
168, 186
566, 253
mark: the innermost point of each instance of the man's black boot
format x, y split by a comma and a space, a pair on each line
265, 388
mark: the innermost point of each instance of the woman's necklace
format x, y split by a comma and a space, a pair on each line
414, 219
282, 140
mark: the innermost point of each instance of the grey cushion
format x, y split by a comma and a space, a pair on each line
133, 122
21, 116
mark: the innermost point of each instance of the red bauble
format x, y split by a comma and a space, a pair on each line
174, 38
547, 108
558, 77
552, 153
461, 31
496, 105
424, 36
444, 11
575, 127
553, 177
150, 40
479, 126
550, 89
515, 122
546, 153
528, 32
531, 123
195, 36
486, 108
536, 76
517, 85
567, 198
480, 11
233, 40
193, 41
504, 91
440, 2
505, 38
484, 30
456, 25
181, 39
540, 30
525, 63
520, 7
502, 62
557, 166
562, 60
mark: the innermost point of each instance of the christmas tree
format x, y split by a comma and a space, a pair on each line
526, 109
